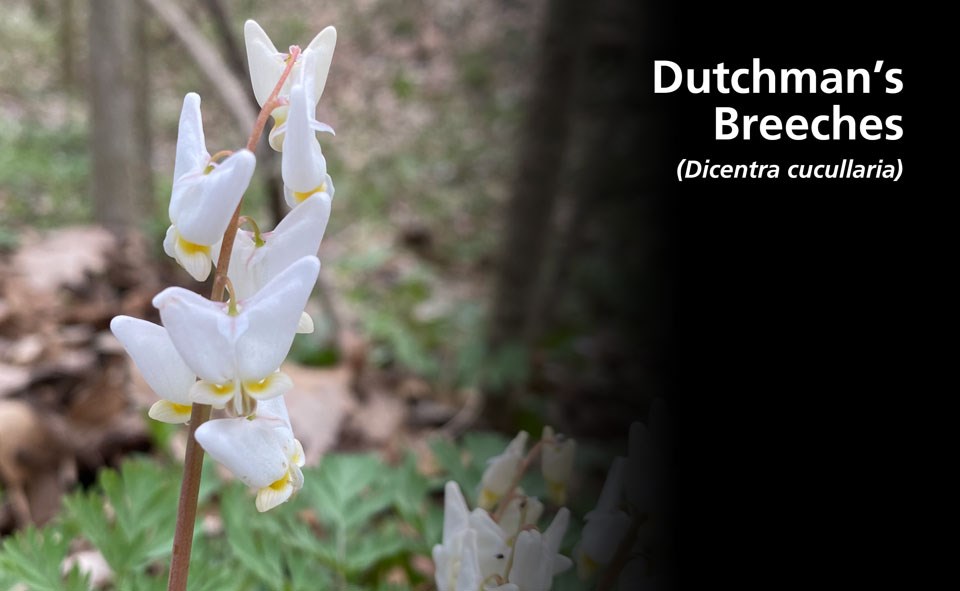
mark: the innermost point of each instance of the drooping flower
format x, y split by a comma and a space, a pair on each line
161, 366
205, 193
501, 471
476, 550
256, 260
605, 526
260, 450
267, 65
447, 554
303, 167
519, 512
236, 348
536, 557
556, 463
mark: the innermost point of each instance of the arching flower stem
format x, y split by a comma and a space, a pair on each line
257, 234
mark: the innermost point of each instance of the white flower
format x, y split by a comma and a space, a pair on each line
476, 551
493, 551
239, 349
536, 558
556, 463
267, 65
447, 554
253, 264
501, 471
303, 167
520, 511
605, 526
161, 366
260, 450
205, 193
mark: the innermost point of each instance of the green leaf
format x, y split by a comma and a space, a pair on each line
342, 483
258, 554
33, 557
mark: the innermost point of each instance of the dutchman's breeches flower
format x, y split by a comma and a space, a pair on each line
161, 366
476, 553
500, 471
236, 348
556, 463
267, 65
258, 258
260, 450
205, 193
303, 166
605, 526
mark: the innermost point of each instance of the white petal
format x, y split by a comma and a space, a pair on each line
170, 412
602, 535
170, 242
519, 443
156, 357
271, 319
556, 461
443, 562
492, 547
529, 509
297, 235
273, 495
275, 384
251, 449
192, 152
216, 395
561, 564
612, 491
530, 570
202, 332
455, 512
245, 266
305, 325
470, 576
265, 62
302, 166
194, 258
320, 52
275, 407
208, 202
553, 535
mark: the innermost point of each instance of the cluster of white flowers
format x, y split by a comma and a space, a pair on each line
236, 348
629, 497
504, 551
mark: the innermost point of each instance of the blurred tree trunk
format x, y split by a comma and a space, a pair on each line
235, 55
543, 142
118, 96
68, 65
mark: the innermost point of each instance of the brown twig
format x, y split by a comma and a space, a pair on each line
193, 459
521, 470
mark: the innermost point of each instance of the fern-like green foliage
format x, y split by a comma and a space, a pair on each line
357, 525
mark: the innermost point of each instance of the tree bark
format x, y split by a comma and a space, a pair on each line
120, 180
543, 142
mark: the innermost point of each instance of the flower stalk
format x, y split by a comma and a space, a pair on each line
200, 414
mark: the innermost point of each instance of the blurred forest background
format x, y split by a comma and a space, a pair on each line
493, 259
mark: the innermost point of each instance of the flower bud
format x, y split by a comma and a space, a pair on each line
500, 472
556, 463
